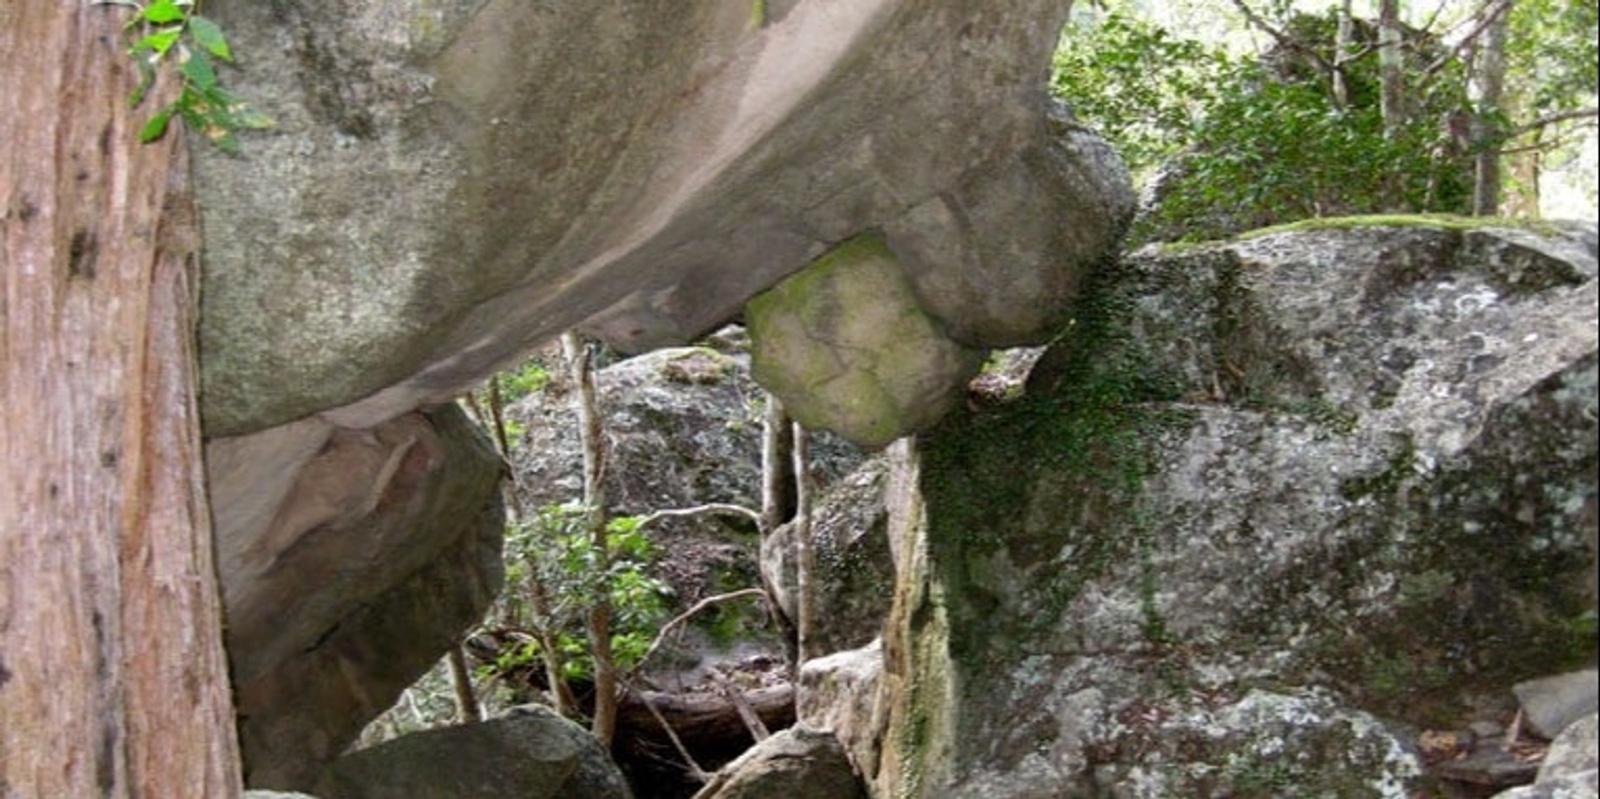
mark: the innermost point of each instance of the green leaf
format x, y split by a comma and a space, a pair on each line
209, 35
163, 11
158, 42
156, 125
197, 68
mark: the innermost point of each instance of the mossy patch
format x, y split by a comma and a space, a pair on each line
1093, 416
1437, 221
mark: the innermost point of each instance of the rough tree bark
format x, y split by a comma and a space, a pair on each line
113, 681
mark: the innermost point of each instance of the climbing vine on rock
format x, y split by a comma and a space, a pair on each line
172, 40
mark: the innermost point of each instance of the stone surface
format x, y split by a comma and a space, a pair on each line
839, 693
847, 348
1552, 703
1574, 752
350, 560
1283, 494
852, 576
450, 183
529, 753
797, 763
1585, 785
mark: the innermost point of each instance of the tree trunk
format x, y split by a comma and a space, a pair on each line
467, 709
1343, 44
113, 681
804, 557
1487, 88
604, 724
1391, 67
777, 466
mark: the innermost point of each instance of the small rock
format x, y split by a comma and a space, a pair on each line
798, 763
530, 753
1549, 704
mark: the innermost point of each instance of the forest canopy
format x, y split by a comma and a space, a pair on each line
1235, 115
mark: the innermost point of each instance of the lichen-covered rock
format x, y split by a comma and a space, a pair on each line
1326, 483
847, 348
797, 763
1571, 767
852, 574
529, 753
350, 561
449, 182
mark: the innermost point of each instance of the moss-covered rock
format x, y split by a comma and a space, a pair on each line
1268, 507
847, 348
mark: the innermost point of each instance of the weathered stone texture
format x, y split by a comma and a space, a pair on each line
350, 561
1339, 477
529, 753
450, 183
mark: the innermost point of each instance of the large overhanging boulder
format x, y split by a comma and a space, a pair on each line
449, 183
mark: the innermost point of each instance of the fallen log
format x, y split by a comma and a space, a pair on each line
708, 725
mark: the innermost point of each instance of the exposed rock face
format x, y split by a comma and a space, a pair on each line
350, 561
839, 693
797, 763
1283, 494
852, 577
530, 753
1571, 769
449, 183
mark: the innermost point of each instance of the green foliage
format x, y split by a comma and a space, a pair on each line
1250, 142
554, 548
530, 378
168, 32
1555, 42
1106, 69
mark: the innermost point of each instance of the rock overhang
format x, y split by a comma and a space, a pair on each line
453, 184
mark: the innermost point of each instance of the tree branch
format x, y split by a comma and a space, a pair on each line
1551, 119
1282, 38
679, 619
1491, 11
710, 508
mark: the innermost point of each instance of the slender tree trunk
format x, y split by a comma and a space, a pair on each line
467, 709
604, 724
777, 507
1391, 66
1343, 43
777, 466
804, 557
1487, 89
113, 681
